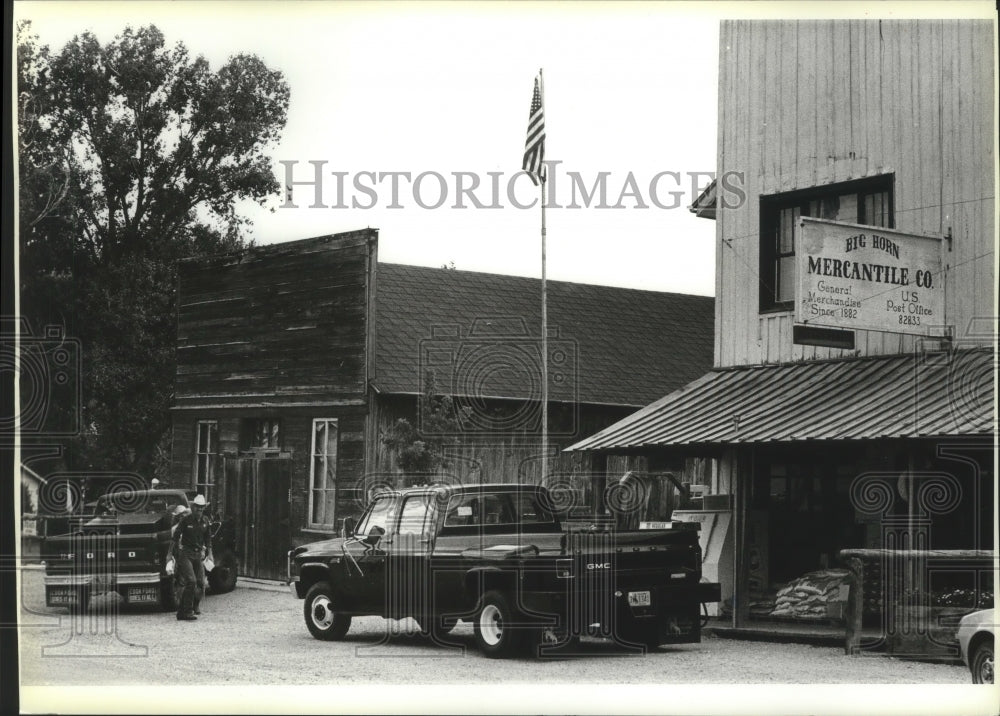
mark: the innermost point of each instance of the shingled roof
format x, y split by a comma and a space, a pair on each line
480, 333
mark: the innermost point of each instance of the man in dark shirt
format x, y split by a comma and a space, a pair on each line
192, 542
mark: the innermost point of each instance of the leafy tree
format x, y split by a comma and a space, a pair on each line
132, 154
422, 452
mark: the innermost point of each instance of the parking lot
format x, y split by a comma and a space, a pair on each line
256, 636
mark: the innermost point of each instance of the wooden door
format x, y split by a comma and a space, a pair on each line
235, 495
254, 493
271, 527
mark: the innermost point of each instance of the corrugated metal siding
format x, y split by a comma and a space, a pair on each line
906, 396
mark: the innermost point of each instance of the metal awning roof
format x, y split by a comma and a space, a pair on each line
901, 396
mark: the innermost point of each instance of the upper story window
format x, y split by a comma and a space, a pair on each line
866, 201
260, 435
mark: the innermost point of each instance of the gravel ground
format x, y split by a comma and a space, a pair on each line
257, 636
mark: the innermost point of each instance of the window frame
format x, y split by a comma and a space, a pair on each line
251, 428
428, 525
207, 487
771, 206
363, 522
313, 455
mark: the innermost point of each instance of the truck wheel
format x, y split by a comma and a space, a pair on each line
983, 664
222, 579
496, 637
322, 620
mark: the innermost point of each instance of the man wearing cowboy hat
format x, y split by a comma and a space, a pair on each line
192, 542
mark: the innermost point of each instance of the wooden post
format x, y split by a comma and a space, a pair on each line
743, 467
855, 606
597, 483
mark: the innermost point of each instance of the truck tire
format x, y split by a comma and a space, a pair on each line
494, 634
322, 620
222, 579
982, 663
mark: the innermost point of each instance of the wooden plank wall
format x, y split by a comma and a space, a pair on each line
283, 323
296, 442
512, 457
283, 332
808, 103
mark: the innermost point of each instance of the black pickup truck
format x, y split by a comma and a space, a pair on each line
497, 555
121, 546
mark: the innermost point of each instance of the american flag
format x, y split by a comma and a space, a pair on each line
534, 145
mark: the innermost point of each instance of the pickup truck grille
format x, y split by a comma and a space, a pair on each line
102, 553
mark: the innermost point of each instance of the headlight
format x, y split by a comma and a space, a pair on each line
292, 569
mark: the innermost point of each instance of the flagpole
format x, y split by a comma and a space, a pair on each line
545, 319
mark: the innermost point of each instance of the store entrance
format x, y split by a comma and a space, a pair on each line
810, 517
801, 515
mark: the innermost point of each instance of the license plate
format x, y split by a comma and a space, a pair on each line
638, 599
143, 594
655, 525
62, 596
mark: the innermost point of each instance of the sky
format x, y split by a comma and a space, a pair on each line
445, 88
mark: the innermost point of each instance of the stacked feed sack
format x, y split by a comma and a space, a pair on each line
808, 596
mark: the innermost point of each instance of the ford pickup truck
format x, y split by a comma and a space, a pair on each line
121, 547
498, 556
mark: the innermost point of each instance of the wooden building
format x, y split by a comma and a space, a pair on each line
295, 360
821, 438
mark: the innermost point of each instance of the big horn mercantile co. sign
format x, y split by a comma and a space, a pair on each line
866, 277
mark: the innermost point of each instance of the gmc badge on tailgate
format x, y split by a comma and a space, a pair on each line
599, 565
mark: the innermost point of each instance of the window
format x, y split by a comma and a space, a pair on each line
867, 201
206, 449
418, 516
503, 508
380, 514
260, 434
323, 473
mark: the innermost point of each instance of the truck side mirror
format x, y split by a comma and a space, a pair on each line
374, 535
347, 527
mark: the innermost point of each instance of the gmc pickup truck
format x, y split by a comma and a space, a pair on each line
121, 547
498, 556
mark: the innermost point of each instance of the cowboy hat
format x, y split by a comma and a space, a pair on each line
199, 500
181, 509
